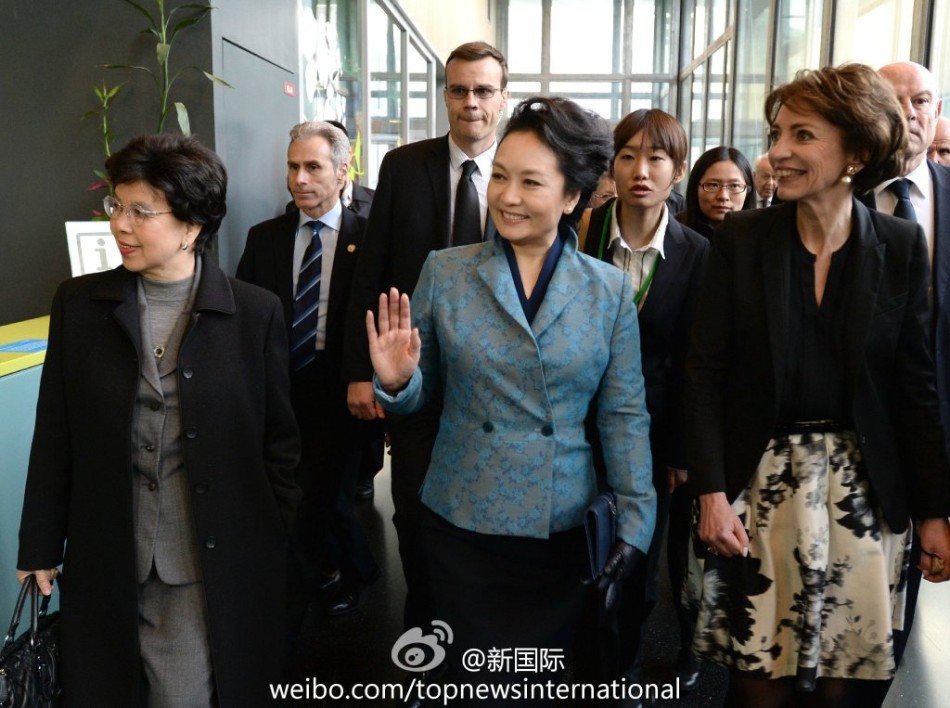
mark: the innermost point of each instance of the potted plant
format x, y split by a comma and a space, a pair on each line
89, 251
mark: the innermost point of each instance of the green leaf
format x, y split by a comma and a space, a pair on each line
217, 79
161, 53
114, 90
183, 122
188, 23
151, 20
127, 66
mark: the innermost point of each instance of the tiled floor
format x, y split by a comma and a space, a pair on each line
356, 649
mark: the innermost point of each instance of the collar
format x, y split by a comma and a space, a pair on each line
214, 290
657, 240
457, 156
330, 219
920, 178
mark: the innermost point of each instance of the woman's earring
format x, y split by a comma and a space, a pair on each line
848, 174
184, 244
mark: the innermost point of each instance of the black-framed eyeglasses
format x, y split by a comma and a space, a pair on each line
731, 187
460, 93
136, 212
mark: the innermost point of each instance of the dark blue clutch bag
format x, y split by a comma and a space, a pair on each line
600, 523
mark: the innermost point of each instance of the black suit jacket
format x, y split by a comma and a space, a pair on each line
409, 218
940, 284
268, 261
362, 200
736, 365
665, 320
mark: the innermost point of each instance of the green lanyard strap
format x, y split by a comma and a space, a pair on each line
645, 285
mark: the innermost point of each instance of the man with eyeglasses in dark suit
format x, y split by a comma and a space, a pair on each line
430, 195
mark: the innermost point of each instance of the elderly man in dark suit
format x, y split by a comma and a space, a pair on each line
307, 257
922, 194
430, 195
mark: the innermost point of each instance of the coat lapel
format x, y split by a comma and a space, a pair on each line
566, 282
668, 269
776, 263
494, 272
867, 268
940, 180
437, 168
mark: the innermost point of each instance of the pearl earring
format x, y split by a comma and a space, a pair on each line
848, 174
184, 244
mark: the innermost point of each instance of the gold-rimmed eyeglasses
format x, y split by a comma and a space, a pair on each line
136, 212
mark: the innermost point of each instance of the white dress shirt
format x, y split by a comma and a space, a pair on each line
480, 177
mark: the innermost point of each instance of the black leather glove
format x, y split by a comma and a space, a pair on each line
623, 559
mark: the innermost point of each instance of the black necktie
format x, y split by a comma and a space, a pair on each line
905, 209
467, 226
303, 335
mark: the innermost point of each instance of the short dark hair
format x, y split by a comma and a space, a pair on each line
338, 124
692, 214
662, 130
862, 105
579, 138
191, 177
474, 51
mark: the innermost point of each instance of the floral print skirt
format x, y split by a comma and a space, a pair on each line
822, 589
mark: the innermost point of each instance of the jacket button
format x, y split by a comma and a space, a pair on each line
201, 488
547, 431
152, 486
187, 372
191, 433
149, 448
155, 406
209, 542
487, 426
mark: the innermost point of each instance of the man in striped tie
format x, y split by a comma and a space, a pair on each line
307, 257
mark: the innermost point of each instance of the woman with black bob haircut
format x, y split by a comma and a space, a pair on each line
523, 335
813, 428
720, 182
664, 261
161, 474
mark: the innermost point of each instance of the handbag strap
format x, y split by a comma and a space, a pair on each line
37, 609
18, 610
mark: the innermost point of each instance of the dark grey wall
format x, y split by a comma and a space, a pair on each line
51, 54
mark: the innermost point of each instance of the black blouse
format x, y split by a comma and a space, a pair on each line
814, 382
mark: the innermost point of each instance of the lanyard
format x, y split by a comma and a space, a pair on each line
645, 284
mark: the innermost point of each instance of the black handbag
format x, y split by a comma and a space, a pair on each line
600, 523
29, 665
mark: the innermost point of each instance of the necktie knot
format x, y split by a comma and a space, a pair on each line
468, 169
904, 208
315, 226
900, 188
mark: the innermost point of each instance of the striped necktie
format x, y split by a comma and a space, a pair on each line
303, 337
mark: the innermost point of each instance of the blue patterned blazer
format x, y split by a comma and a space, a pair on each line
511, 457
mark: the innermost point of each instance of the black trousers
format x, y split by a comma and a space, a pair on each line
503, 593
411, 439
327, 535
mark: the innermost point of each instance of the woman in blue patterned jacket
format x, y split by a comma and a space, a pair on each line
524, 335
